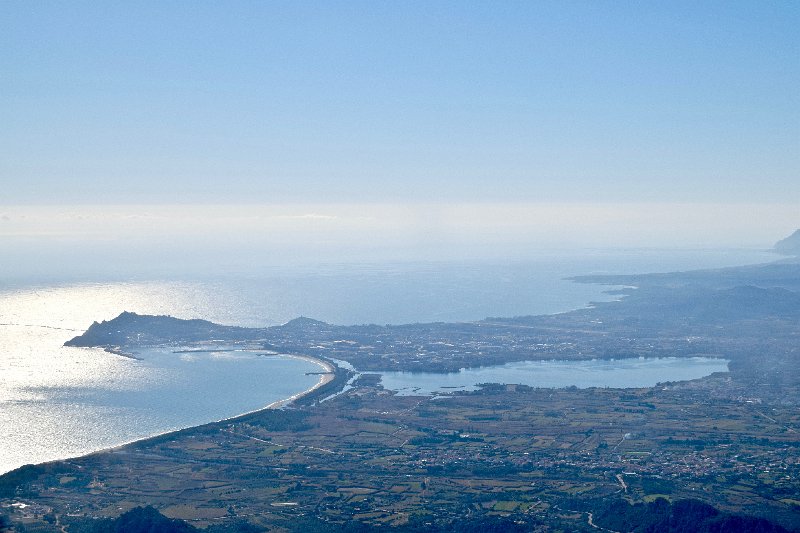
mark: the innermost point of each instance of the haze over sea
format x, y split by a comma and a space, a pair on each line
57, 402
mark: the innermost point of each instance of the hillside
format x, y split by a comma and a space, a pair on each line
790, 245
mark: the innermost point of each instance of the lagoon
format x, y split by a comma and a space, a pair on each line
613, 373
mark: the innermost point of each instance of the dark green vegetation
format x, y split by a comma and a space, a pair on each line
137, 520
719, 453
683, 515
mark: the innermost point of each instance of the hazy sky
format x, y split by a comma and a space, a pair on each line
398, 105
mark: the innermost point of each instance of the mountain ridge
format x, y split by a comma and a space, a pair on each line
790, 245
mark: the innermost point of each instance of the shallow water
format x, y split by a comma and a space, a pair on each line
105, 400
620, 373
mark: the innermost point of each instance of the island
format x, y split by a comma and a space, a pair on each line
719, 453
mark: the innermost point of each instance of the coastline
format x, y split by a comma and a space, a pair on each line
254, 465
324, 379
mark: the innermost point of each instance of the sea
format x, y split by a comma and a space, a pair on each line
58, 402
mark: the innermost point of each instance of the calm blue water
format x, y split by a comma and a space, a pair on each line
83, 400
622, 373
57, 402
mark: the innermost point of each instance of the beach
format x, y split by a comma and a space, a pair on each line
324, 379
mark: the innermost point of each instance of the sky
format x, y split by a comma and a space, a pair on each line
417, 119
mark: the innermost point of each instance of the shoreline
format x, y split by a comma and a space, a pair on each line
324, 379
329, 375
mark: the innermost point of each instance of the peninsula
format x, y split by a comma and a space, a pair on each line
718, 452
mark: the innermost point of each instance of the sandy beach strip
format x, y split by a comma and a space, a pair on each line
324, 379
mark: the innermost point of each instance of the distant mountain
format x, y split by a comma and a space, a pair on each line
302, 323
785, 274
790, 245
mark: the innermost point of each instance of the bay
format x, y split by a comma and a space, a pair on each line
57, 402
